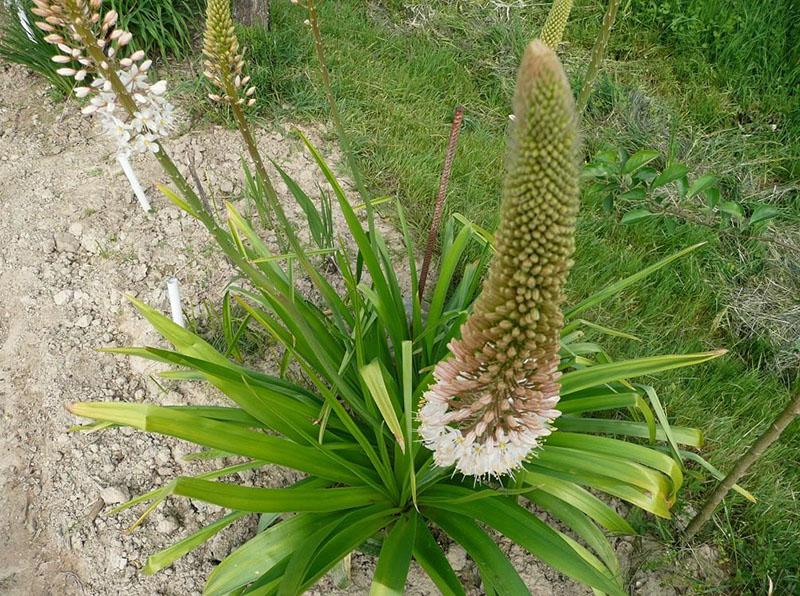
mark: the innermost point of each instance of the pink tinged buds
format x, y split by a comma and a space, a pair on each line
61, 59
110, 19
125, 39
82, 91
493, 401
66, 72
137, 55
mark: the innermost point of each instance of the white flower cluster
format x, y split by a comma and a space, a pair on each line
475, 455
77, 30
153, 120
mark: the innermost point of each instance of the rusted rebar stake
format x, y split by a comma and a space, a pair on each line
433, 233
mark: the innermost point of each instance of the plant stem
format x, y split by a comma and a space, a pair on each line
252, 149
598, 51
433, 233
313, 20
780, 423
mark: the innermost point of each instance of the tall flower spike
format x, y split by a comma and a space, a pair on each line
495, 398
224, 62
556, 22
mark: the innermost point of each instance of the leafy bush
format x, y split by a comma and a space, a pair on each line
637, 187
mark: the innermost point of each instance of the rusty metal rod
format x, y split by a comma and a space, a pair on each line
433, 233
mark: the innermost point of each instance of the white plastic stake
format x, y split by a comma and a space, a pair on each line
174, 294
134, 181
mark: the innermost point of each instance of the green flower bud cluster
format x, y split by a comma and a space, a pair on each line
556, 22
223, 60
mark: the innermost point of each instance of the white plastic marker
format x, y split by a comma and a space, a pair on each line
134, 181
174, 294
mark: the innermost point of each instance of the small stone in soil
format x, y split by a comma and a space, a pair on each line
66, 242
112, 495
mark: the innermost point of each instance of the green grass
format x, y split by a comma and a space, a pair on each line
161, 28
398, 76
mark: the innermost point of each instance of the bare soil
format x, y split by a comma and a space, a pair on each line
73, 244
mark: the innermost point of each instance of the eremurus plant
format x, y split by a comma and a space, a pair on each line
498, 365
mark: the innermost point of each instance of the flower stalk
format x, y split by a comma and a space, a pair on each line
495, 399
224, 66
441, 195
313, 23
598, 51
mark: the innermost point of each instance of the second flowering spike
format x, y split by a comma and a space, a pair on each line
223, 60
493, 401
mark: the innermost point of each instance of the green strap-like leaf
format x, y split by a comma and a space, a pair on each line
262, 552
277, 500
218, 435
168, 556
600, 374
497, 572
654, 502
353, 530
579, 523
683, 435
432, 559
391, 571
620, 285
373, 377
524, 528
622, 450
579, 497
